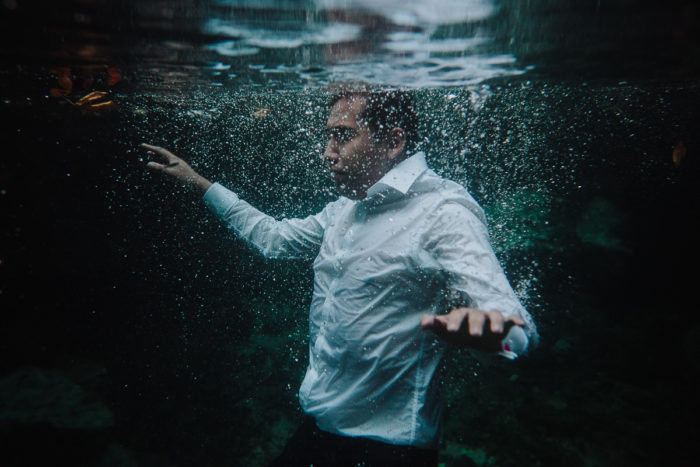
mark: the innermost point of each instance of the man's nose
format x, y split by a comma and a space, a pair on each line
331, 153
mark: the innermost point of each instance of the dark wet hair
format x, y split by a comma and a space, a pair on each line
384, 111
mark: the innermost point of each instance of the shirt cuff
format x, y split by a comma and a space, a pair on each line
514, 344
219, 199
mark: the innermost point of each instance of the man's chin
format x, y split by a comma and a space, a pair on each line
349, 192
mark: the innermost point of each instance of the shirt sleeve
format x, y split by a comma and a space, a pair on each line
287, 238
458, 240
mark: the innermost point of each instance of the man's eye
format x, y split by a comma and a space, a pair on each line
343, 136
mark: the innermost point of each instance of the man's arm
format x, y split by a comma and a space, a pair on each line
492, 319
288, 238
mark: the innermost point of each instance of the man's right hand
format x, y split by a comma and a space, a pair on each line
175, 167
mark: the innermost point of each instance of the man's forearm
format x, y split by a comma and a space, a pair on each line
287, 238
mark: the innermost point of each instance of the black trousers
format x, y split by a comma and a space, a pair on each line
310, 446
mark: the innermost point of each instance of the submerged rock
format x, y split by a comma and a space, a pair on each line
461, 455
33, 395
521, 221
598, 223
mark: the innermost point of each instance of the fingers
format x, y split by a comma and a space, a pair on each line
471, 327
516, 320
436, 324
496, 320
427, 321
444, 325
162, 152
168, 159
453, 321
477, 319
155, 166
157, 149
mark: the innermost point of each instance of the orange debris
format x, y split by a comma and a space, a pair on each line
679, 153
114, 76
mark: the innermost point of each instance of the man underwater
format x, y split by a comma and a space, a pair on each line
400, 253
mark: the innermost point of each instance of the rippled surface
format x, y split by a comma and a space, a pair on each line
409, 44
412, 43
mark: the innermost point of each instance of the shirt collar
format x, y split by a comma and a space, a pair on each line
402, 176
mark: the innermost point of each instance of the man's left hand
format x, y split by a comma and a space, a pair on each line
470, 327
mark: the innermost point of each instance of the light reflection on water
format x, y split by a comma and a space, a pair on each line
409, 44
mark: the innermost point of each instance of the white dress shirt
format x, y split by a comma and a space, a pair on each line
417, 244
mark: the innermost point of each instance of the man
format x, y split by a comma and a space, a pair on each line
402, 252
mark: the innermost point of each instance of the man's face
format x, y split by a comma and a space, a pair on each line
356, 159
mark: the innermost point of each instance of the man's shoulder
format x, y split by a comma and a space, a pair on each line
430, 182
441, 194
337, 204
334, 207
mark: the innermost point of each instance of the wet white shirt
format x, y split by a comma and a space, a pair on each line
417, 244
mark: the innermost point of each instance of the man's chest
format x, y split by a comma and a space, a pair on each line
375, 247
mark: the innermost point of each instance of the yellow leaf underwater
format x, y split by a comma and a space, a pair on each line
261, 112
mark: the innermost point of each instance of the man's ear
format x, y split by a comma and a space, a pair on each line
396, 140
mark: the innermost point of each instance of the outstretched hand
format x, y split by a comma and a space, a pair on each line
470, 327
175, 167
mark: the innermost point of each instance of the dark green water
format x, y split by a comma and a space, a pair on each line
137, 331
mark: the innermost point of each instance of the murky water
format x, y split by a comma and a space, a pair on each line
138, 331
